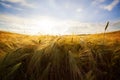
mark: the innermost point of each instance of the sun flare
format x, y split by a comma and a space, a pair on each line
44, 25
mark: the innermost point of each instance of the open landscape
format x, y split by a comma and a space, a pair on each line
65, 57
59, 39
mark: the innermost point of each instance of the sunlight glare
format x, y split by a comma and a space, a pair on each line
43, 26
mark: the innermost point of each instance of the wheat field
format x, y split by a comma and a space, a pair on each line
65, 57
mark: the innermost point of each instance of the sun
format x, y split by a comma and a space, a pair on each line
44, 25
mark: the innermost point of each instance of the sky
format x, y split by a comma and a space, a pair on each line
59, 16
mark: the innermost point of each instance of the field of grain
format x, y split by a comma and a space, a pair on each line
66, 57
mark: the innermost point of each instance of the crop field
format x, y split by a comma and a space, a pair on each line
63, 57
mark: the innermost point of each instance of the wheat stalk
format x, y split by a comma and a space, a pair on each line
105, 31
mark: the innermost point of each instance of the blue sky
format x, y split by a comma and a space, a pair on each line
59, 16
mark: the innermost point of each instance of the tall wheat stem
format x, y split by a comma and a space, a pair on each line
105, 31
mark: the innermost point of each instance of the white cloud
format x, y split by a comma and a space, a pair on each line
95, 2
110, 6
67, 5
33, 25
78, 27
115, 25
48, 25
79, 9
73, 7
52, 3
24, 3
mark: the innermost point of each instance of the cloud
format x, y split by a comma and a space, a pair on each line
85, 28
115, 25
79, 9
32, 25
24, 3
10, 6
95, 2
5, 5
51, 25
111, 5
73, 7
67, 5
52, 3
